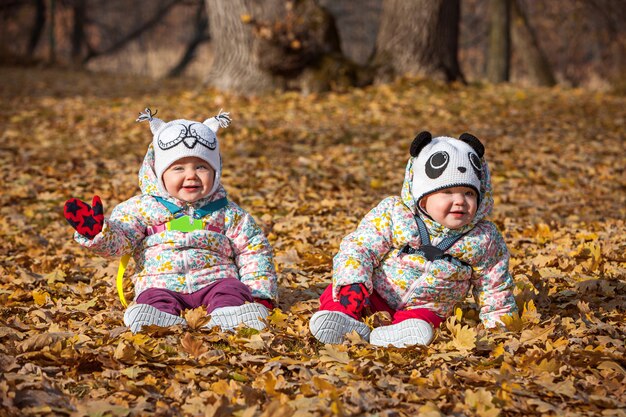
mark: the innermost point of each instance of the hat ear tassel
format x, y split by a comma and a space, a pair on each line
221, 120
155, 122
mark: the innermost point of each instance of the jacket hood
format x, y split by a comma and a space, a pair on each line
484, 209
149, 183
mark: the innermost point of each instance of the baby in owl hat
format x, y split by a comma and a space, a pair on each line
191, 245
418, 255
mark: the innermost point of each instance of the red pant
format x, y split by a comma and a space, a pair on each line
377, 303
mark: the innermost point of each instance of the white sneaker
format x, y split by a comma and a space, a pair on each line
139, 315
332, 326
406, 333
227, 318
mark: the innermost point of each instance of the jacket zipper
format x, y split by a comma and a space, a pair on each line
190, 213
186, 264
406, 297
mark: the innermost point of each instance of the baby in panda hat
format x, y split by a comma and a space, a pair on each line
419, 254
192, 246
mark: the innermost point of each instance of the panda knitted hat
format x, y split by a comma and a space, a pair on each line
445, 162
184, 138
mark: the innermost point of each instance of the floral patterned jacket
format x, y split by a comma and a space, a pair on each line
231, 245
372, 255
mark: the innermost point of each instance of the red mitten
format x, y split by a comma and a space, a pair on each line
354, 298
263, 301
87, 220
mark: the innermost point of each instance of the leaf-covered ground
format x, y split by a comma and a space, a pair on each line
308, 168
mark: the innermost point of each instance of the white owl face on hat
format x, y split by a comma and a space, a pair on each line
445, 162
187, 133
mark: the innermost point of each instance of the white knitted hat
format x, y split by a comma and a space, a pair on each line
445, 162
183, 138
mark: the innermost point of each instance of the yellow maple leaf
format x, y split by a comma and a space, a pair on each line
481, 401
376, 183
550, 366
255, 342
331, 353
596, 255
191, 345
564, 388
586, 236
378, 319
498, 350
197, 318
530, 313
307, 390
124, 352
55, 276
536, 334
40, 297
323, 385
278, 318
270, 383
543, 233
512, 322
430, 409
220, 387
150, 380
463, 337
613, 366
458, 314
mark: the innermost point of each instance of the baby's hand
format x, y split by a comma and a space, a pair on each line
263, 301
87, 220
354, 298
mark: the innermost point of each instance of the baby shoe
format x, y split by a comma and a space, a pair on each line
227, 318
139, 315
406, 333
332, 326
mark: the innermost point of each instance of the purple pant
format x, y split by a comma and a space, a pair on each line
227, 292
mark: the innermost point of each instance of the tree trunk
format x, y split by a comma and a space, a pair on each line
38, 27
525, 41
261, 46
418, 37
52, 48
79, 9
499, 52
236, 60
447, 35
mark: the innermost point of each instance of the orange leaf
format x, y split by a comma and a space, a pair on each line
191, 345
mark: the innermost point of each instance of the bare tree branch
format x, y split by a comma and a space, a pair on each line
158, 16
201, 35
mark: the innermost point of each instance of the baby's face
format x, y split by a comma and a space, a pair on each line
451, 207
189, 179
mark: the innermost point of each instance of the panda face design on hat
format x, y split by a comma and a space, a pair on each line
182, 138
445, 162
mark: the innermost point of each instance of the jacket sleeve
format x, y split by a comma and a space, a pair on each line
361, 251
253, 256
492, 283
121, 234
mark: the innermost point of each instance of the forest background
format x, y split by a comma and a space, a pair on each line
308, 159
